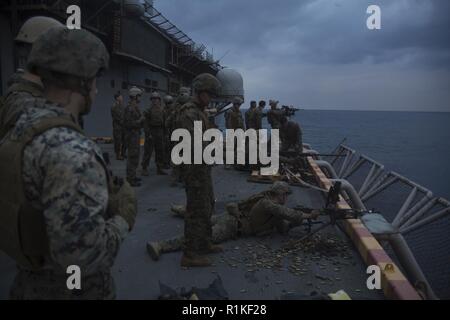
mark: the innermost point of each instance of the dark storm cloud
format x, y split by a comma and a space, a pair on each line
326, 42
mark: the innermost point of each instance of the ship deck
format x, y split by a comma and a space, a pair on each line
250, 268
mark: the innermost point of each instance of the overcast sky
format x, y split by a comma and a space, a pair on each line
319, 54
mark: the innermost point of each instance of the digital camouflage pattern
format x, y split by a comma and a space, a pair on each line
148, 146
170, 124
234, 119
155, 121
20, 90
274, 118
47, 53
259, 115
198, 185
224, 228
117, 114
132, 122
257, 215
250, 118
65, 179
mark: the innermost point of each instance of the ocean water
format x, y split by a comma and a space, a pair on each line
414, 144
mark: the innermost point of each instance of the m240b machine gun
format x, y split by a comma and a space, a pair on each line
331, 211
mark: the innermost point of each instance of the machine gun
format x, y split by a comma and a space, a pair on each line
289, 111
296, 154
331, 211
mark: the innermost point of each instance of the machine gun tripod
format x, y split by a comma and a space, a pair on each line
331, 211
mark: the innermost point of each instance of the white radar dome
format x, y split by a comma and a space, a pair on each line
232, 83
134, 7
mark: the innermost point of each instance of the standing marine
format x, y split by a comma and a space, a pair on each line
117, 113
59, 205
154, 123
183, 98
274, 115
133, 121
258, 215
259, 114
250, 116
24, 84
197, 178
233, 117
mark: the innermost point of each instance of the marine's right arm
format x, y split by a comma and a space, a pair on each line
63, 176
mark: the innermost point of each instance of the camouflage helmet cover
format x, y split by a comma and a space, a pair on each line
207, 82
134, 91
281, 187
78, 53
36, 26
168, 99
155, 95
185, 91
238, 100
273, 102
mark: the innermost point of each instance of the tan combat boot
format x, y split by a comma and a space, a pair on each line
214, 248
154, 250
178, 211
195, 260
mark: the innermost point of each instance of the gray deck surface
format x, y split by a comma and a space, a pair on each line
243, 274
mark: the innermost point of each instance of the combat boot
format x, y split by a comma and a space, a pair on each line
145, 172
214, 248
195, 260
154, 250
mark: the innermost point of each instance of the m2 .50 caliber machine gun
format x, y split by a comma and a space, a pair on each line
331, 211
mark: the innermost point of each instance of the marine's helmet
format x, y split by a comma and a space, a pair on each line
155, 95
281, 187
134, 92
207, 82
168, 99
76, 53
238, 100
185, 91
34, 27
273, 102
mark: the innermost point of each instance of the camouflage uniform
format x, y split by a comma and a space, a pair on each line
148, 146
234, 119
198, 184
132, 122
274, 118
19, 91
154, 121
117, 113
250, 118
256, 216
291, 137
64, 179
170, 124
259, 114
